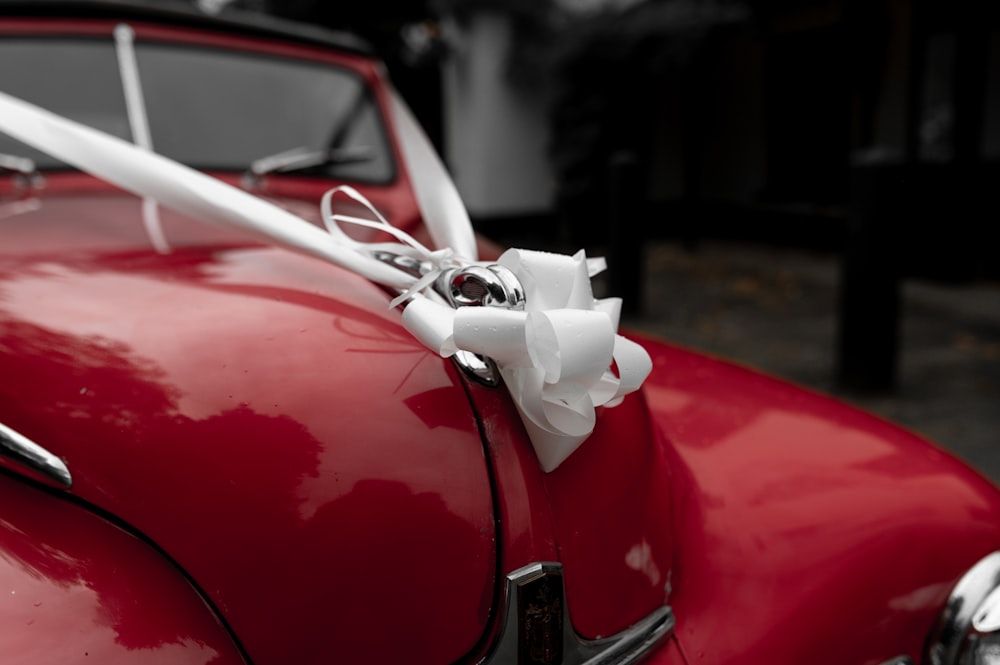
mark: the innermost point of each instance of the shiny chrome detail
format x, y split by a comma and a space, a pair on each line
303, 158
486, 286
537, 626
22, 450
411, 266
493, 285
21, 165
481, 286
987, 616
973, 600
899, 660
27, 175
478, 368
297, 159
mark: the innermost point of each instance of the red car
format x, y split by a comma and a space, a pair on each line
217, 450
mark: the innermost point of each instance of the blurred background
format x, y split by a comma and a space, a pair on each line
805, 186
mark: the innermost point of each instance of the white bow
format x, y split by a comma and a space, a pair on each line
555, 356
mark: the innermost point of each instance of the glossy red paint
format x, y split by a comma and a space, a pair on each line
604, 513
76, 589
264, 419
611, 510
526, 534
668, 653
808, 531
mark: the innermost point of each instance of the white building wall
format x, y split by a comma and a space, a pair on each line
495, 134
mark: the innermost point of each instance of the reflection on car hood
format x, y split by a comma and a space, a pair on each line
804, 519
264, 419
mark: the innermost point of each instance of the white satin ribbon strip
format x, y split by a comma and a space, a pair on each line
555, 356
440, 204
174, 185
138, 120
435, 261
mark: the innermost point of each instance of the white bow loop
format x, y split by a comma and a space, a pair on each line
556, 356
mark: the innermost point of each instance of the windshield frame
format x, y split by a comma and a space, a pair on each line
362, 68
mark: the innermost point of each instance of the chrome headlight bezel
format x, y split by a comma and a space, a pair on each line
971, 613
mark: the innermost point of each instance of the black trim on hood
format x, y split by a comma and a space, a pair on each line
185, 14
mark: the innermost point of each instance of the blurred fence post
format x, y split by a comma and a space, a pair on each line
625, 231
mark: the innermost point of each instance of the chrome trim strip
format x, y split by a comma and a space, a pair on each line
987, 617
625, 648
478, 368
948, 636
24, 451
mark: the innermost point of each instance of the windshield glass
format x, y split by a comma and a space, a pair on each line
76, 79
208, 108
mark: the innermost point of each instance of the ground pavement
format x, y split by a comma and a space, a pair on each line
774, 308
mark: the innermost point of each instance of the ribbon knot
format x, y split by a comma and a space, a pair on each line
430, 263
555, 356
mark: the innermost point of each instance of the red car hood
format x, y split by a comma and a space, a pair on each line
812, 532
263, 419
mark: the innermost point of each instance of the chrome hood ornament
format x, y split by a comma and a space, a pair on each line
532, 313
537, 629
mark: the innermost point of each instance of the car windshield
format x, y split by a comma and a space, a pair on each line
209, 108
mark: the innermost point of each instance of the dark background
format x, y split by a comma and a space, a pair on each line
808, 186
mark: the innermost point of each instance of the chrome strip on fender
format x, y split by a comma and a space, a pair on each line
537, 626
950, 634
24, 451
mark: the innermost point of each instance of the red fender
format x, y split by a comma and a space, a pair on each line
75, 588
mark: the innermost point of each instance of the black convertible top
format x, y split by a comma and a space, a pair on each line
185, 14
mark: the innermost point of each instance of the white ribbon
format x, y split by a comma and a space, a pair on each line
434, 262
555, 356
176, 186
440, 204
